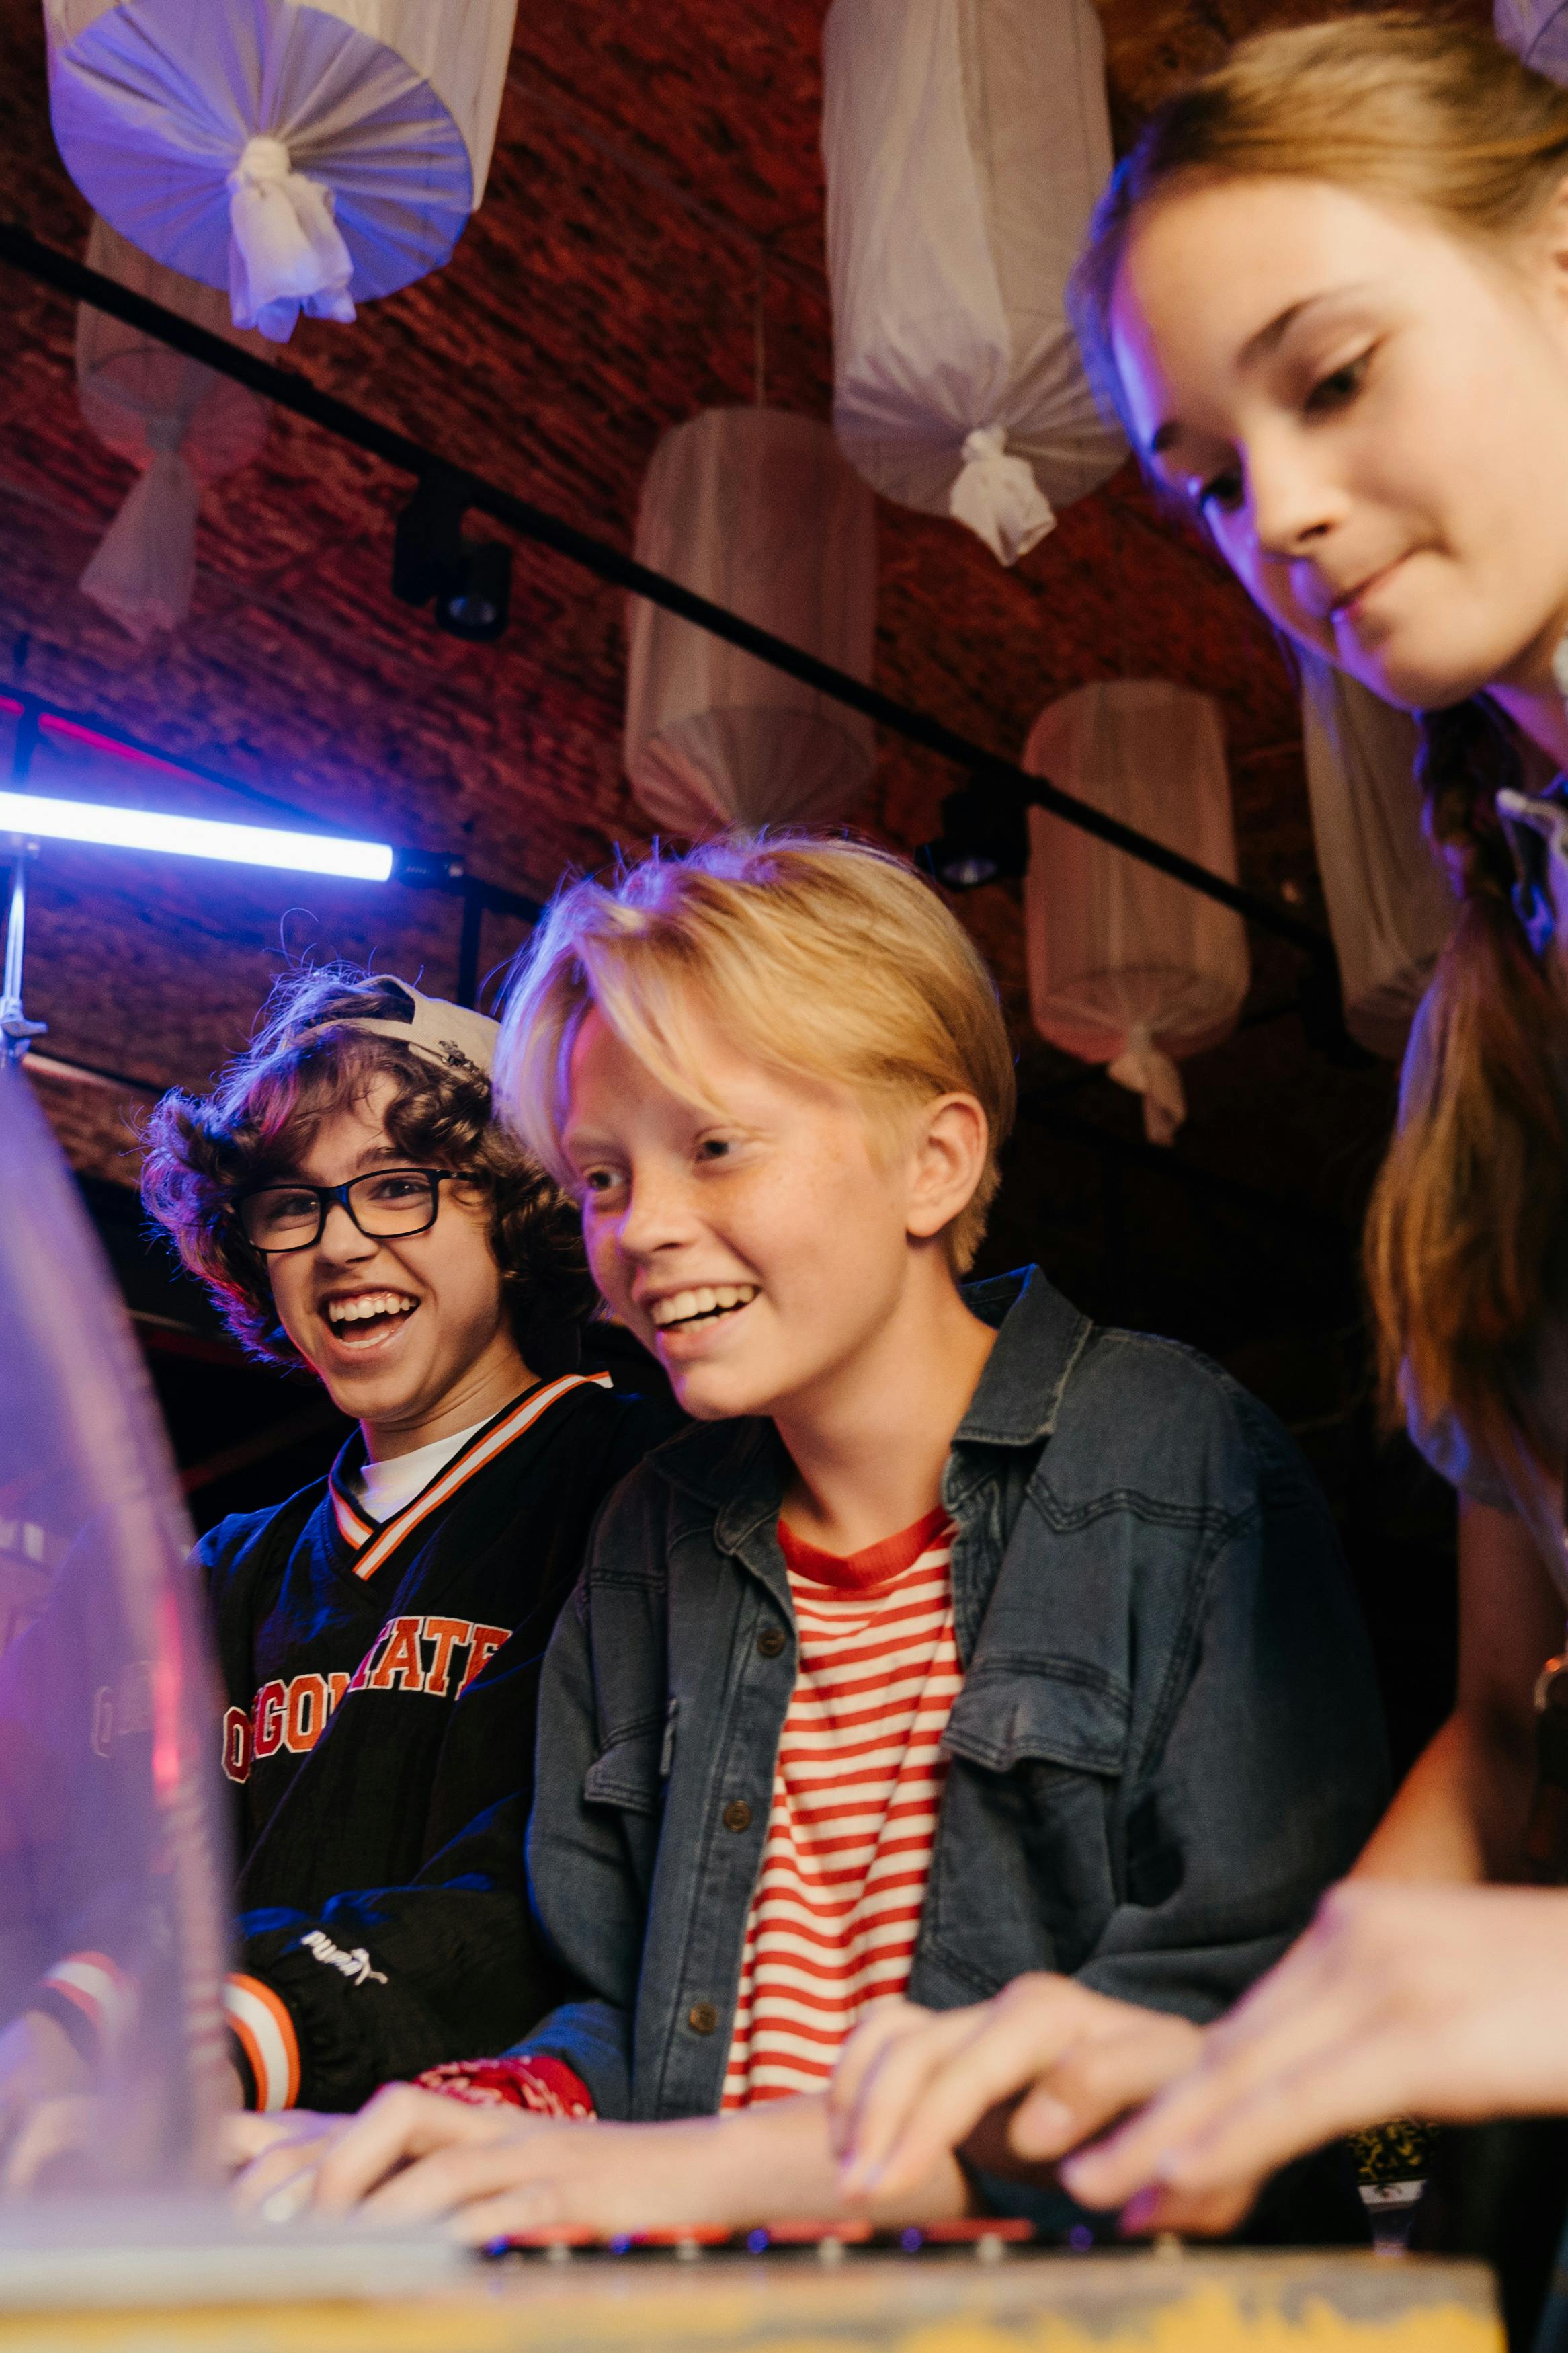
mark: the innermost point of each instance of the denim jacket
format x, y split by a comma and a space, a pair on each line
1168, 1739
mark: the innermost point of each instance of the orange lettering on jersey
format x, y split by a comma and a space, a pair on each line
361, 1675
307, 1713
336, 1686
267, 1715
487, 1640
400, 1666
237, 1744
447, 1634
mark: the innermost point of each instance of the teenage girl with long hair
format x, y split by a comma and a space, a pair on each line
1328, 292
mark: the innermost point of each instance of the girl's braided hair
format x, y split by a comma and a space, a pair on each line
1466, 1219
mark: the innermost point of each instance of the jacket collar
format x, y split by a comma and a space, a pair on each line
739, 1469
1039, 1335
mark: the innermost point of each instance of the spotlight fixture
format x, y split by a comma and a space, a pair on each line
984, 838
467, 580
111, 828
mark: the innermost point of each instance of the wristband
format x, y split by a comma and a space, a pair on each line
264, 2031
531, 2080
90, 2000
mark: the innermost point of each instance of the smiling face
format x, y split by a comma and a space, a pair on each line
410, 1334
763, 1255
1370, 414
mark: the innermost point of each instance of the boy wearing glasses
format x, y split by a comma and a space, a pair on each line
348, 1199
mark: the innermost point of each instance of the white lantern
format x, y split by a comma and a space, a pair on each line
299, 156
181, 423
965, 143
1537, 31
1390, 907
1126, 966
757, 511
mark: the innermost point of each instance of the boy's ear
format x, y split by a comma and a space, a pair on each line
951, 1142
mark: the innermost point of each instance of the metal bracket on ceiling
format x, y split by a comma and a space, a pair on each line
16, 1031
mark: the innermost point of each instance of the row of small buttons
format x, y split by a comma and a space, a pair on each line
771, 1641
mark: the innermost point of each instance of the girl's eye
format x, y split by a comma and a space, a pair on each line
713, 1147
1340, 386
599, 1181
1222, 491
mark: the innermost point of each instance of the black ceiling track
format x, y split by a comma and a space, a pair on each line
1006, 785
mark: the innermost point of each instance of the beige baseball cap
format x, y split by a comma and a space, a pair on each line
454, 1036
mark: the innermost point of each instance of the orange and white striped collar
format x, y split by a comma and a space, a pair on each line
371, 1544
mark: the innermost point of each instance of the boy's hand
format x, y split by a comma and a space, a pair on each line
1023, 2078
1442, 2002
414, 2156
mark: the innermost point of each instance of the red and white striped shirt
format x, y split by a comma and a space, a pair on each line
833, 1922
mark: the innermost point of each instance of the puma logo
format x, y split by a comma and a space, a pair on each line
355, 1966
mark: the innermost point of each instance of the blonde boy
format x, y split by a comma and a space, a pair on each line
960, 1639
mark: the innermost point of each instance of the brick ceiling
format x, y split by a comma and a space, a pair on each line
650, 156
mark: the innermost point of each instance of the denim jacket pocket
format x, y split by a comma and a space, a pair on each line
626, 1772
1061, 1712
1025, 1873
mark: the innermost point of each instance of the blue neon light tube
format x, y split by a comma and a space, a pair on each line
193, 837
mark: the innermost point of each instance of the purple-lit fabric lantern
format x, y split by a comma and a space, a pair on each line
297, 157
1537, 31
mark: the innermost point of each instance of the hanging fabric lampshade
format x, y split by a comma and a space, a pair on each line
1389, 904
965, 143
1126, 966
302, 157
181, 423
757, 511
1537, 31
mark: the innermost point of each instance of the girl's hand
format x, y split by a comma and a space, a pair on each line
275, 2157
1440, 2002
1031, 2073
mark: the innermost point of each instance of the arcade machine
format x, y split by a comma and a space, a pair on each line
115, 2230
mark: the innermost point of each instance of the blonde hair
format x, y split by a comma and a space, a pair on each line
1467, 1212
823, 959
1438, 116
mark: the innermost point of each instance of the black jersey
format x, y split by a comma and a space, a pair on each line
378, 1739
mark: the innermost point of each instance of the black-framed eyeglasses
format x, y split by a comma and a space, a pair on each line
388, 1202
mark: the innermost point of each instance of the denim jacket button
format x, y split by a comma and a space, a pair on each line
702, 2018
770, 1642
737, 1815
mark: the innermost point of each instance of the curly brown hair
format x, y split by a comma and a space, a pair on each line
201, 1151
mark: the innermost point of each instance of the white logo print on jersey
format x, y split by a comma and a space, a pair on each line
355, 1966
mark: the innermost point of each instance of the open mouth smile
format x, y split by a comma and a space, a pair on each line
683, 1311
358, 1319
